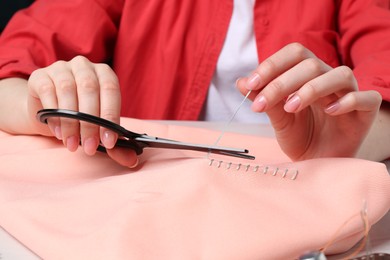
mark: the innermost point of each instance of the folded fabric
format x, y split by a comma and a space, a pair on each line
182, 204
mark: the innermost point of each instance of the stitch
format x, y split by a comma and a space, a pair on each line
238, 166
211, 162
285, 173
219, 164
275, 171
229, 165
294, 177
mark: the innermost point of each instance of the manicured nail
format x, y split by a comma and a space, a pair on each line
109, 139
259, 104
57, 132
72, 143
89, 145
237, 80
253, 81
292, 104
332, 108
135, 164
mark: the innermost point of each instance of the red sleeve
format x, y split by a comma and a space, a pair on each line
52, 30
365, 42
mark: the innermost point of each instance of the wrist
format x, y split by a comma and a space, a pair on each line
376, 146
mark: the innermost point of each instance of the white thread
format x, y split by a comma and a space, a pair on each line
224, 129
294, 177
283, 172
256, 168
211, 162
220, 163
229, 165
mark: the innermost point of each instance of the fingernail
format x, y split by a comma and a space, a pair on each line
89, 145
135, 164
292, 104
332, 108
57, 132
109, 139
237, 80
72, 143
259, 104
253, 81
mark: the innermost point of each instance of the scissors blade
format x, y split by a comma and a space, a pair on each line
157, 142
138, 141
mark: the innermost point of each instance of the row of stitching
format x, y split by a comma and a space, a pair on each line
283, 172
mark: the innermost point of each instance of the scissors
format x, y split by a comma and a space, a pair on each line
136, 141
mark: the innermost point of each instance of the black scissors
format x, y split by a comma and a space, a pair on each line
136, 141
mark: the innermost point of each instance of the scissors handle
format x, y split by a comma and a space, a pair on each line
44, 114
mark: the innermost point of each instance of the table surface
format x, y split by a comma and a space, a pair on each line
379, 237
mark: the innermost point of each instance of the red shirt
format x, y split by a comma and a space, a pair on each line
165, 52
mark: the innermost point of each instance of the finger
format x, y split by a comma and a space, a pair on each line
66, 91
240, 85
276, 64
288, 83
338, 82
88, 95
42, 89
125, 157
110, 102
365, 101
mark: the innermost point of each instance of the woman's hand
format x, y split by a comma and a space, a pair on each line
315, 110
83, 86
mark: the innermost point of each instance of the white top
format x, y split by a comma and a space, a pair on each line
237, 59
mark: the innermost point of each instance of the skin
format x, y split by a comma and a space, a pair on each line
315, 110
324, 116
77, 85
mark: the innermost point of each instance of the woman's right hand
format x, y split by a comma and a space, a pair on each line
83, 86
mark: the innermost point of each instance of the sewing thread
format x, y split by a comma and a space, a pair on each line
283, 172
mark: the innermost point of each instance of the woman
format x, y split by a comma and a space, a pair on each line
321, 65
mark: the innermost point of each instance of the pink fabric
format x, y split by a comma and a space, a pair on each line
175, 205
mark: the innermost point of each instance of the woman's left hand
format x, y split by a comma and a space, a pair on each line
315, 110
